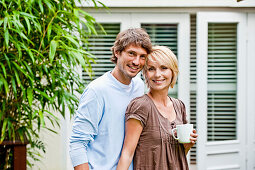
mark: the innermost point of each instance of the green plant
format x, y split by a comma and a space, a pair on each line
41, 44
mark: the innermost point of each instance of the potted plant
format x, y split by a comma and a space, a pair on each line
41, 43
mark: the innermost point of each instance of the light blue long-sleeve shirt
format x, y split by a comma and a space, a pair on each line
98, 129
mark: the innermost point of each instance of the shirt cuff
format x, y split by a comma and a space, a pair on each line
78, 156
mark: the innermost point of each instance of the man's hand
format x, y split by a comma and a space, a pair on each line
82, 167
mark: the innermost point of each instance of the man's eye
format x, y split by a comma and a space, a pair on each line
143, 57
131, 53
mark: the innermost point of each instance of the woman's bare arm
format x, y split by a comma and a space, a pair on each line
133, 131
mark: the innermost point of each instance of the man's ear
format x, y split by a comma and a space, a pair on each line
117, 54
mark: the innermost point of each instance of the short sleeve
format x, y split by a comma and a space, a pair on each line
184, 114
137, 109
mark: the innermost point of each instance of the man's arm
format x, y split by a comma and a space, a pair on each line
82, 167
85, 127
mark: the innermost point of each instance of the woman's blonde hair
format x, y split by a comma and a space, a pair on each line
164, 56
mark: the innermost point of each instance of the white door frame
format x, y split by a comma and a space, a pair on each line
222, 148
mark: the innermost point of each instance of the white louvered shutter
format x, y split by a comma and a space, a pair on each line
222, 79
193, 78
100, 47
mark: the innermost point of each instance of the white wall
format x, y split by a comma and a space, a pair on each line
174, 3
56, 154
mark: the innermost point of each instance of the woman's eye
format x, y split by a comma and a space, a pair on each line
164, 68
150, 69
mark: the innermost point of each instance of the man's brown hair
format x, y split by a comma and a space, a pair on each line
136, 36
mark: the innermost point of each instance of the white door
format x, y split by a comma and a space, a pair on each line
251, 92
221, 82
172, 30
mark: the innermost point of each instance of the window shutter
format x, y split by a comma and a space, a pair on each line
166, 35
193, 75
222, 79
100, 47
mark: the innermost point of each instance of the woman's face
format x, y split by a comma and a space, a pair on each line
158, 75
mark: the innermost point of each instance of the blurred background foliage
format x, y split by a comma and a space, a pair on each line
42, 43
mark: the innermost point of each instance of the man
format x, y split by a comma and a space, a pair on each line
98, 129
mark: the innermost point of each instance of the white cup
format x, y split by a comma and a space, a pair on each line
183, 132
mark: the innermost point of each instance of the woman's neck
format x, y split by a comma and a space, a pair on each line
159, 97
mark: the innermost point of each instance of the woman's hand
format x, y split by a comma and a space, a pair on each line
193, 140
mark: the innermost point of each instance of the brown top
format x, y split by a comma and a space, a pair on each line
156, 148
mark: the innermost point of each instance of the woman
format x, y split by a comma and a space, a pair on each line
151, 117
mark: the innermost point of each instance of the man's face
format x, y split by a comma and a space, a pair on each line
131, 61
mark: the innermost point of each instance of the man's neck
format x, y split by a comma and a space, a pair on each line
120, 77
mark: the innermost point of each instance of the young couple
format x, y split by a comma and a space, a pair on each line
113, 108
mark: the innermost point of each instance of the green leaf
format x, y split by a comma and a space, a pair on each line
50, 7
1, 22
103, 5
6, 38
7, 60
71, 38
29, 69
28, 25
3, 68
14, 87
76, 12
51, 114
3, 129
6, 87
41, 5
16, 43
30, 96
4, 5
49, 32
61, 20
5, 22
28, 15
79, 57
37, 25
53, 47
52, 130
11, 132
22, 70
34, 114
41, 118
17, 77
21, 135
31, 55
86, 14
43, 94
